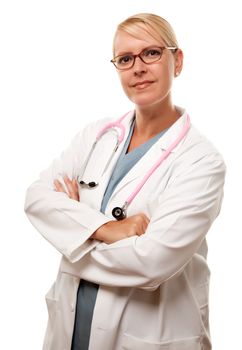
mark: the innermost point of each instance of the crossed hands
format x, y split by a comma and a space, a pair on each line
113, 230
71, 185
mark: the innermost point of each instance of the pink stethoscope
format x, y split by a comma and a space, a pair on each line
120, 213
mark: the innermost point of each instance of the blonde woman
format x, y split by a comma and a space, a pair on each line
129, 206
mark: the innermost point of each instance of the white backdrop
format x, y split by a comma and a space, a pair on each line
49, 90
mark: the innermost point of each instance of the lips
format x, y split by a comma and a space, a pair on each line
142, 84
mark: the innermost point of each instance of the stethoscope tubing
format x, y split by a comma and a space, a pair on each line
104, 130
159, 161
120, 137
112, 125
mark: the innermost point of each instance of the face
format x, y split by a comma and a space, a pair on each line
147, 84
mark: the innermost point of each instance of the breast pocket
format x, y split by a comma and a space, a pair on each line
133, 343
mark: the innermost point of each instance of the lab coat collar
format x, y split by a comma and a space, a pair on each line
172, 133
165, 141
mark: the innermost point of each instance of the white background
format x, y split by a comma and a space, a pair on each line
55, 76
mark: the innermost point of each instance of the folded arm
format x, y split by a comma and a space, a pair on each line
66, 223
178, 226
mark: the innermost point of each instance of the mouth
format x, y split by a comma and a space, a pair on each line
142, 84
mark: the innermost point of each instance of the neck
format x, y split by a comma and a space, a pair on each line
152, 120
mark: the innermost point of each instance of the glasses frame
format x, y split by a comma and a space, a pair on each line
162, 48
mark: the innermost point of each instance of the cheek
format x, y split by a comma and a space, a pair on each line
166, 75
170, 68
125, 79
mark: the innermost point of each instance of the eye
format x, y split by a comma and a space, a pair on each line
153, 52
123, 60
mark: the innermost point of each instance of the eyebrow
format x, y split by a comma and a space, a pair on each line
132, 53
124, 53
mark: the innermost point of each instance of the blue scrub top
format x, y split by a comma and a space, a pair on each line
87, 291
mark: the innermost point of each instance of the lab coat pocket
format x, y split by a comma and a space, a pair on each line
54, 336
52, 302
202, 297
133, 343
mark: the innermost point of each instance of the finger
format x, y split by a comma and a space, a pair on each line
145, 221
144, 226
73, 191
145, 217
74, 183
140, 232
140, 229
58, 186
68, 184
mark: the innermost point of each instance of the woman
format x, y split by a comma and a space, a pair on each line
140, 282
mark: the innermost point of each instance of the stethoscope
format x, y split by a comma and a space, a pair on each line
120, 213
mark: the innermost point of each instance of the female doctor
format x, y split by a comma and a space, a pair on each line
128, 206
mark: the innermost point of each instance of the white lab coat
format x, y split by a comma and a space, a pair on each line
153, 291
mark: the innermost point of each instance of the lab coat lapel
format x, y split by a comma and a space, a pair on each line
148, 160
173, 132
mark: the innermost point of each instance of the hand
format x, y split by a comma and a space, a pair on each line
71, 185
114, 231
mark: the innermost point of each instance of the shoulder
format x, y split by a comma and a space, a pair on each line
197, 152
200, 146
195, 145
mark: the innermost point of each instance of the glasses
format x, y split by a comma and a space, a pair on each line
149, 55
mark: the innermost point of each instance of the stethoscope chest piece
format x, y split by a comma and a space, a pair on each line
119, 213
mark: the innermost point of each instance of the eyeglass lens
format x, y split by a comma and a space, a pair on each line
148, 55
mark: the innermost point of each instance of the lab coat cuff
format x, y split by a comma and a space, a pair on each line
85, 244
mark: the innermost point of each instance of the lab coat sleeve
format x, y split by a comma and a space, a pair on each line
67, 224
185, 213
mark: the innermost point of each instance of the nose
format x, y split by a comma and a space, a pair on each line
139, 66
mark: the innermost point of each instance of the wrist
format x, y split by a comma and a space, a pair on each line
101, 233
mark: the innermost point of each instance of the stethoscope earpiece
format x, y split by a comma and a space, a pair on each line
91, 184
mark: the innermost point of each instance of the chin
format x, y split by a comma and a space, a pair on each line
145, 101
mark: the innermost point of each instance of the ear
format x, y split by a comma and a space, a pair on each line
178, 62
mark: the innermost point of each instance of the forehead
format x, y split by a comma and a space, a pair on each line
137, 41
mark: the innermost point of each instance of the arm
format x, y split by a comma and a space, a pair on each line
178, 226
112, 231
66, 223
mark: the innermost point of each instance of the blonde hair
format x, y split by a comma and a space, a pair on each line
152, 24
